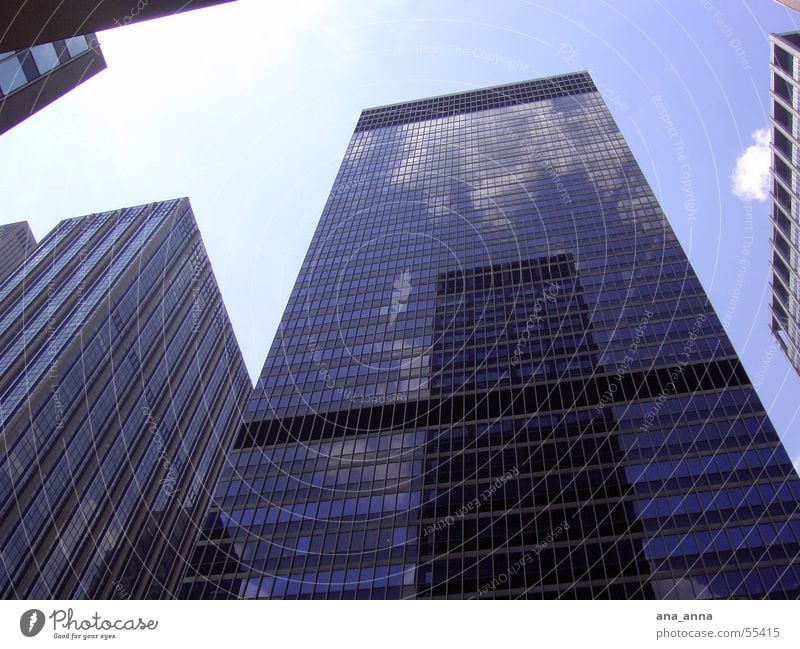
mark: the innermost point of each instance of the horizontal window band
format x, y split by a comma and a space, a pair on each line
506, 402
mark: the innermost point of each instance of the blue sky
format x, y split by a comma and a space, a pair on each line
247, 109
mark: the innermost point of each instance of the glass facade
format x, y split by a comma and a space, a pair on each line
498, 376
122, 384
785, 176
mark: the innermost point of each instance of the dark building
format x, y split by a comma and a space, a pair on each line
24, 23
48, 47
785, 173
498, 376
16, 243
32, 78
122, 385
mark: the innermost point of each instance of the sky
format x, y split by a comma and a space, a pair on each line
247, 108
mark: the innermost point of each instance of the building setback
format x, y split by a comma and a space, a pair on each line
32, 22
121, 386
16, 243
498, 376
32, 78
784, 171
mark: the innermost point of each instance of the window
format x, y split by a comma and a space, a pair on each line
11, 75
45, 56
77, 45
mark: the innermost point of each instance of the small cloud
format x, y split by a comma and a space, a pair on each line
750, 179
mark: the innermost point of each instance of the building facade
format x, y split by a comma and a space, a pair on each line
32, 22
784, 172
121, 387
32, 78
16, 243
497, 376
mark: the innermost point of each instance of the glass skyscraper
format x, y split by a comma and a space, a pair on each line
121, 386
785, 174
498, 376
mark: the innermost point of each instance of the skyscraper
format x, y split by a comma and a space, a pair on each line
121, 385
31, 22
16, 243
784, 172
498, 376
32, 78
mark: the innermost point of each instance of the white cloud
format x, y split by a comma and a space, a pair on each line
750, 179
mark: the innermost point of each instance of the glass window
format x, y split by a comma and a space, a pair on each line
77, 45
11, 75
45, 56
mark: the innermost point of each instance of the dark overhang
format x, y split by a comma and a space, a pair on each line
24, 23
